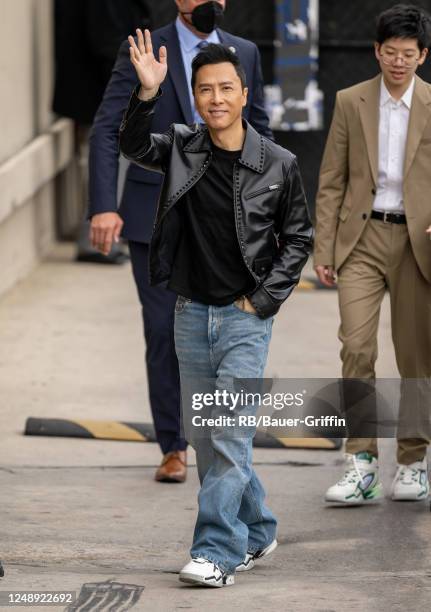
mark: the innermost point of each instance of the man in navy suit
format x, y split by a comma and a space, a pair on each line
196, 25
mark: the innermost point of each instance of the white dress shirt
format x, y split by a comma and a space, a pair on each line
189, 44
393, 126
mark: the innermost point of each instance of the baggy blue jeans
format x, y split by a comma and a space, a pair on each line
217, 344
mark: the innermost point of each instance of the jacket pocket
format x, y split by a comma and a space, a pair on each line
273, 187
262, 265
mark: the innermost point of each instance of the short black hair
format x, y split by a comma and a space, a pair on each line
405, 21
217, 54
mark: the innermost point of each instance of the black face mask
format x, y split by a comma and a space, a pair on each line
206, 17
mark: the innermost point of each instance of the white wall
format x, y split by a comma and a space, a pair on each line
33, 149
16, 100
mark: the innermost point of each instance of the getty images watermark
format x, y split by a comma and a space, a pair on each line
240, 401
332, 408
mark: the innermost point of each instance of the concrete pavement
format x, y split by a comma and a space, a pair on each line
88, 511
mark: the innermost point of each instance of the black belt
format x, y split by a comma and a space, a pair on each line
389, 217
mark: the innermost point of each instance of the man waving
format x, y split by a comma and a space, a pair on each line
232, 234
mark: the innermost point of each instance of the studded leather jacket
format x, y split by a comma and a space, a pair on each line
271, 215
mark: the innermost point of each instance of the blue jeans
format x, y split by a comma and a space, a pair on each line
215, 345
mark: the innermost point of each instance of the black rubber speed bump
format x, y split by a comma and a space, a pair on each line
144, 432
101, 430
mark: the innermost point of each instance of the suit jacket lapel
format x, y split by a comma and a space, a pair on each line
225, 38
419, 116
177, 73
369, 112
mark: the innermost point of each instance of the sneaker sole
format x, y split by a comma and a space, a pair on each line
198, 580
363, 501
266, 551
406, 498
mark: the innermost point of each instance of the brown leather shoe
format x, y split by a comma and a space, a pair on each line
173, 467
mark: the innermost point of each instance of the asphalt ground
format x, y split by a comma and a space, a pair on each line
86, 515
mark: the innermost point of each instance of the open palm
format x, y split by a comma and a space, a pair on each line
151, 72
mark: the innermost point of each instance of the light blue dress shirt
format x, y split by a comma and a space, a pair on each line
189, 49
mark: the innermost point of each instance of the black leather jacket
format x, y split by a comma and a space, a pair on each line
272, 221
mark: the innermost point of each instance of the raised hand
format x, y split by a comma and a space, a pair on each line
151, 73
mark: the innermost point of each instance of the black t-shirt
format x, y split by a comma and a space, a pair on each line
208, 266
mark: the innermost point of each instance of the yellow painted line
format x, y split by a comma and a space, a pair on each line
306, 285
110, 430
306, 442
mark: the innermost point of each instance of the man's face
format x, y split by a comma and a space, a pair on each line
187, 6
399, 59
219, 96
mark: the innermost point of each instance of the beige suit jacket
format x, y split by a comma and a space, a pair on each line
349, 174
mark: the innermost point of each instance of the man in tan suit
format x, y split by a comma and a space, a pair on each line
373, 231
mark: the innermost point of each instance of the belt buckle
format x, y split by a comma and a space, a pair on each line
386, 217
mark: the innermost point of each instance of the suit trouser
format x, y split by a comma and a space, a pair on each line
158, 311
383, 259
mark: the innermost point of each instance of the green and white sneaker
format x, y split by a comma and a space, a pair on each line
360, 483
411, 482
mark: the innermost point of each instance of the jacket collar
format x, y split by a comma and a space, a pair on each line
253, 151
369, 113
227, 39
419, 117
385, 96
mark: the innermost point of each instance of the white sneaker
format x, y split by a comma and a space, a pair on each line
205, 573
250, 557
360, 483
411, 482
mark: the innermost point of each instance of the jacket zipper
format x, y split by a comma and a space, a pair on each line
263, 190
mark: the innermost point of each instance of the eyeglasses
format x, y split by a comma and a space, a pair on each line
389, 58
